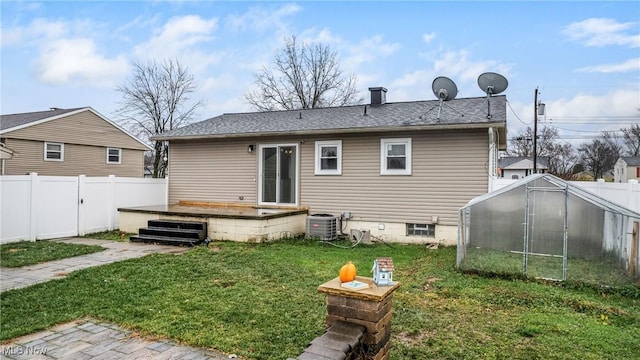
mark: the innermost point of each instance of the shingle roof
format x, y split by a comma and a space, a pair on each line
507, 161
631, 160
467, 112
385, 264
13, 120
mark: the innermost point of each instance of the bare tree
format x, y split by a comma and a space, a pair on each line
522, 143
631, 140
156, 98
303, 76
562, 160
561, 156
600, 154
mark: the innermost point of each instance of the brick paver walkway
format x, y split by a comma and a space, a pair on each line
14, 278
89, 339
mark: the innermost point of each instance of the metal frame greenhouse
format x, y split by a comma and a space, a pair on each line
545, 227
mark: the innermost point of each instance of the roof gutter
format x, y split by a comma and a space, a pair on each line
333, 131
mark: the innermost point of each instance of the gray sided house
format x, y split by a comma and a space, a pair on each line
518, 167
69, 142
626, 168
401, 170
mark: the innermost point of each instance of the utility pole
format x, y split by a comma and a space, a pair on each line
535, 132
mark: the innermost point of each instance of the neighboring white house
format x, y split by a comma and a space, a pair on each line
626, 168
517, 167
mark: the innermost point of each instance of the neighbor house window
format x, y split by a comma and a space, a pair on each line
428, 230
53, 151
329, 157
114, 155
395, 156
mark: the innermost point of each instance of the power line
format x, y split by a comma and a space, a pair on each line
597, 117
516, 115
592, 122
587, 131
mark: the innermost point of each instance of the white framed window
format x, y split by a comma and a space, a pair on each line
395, 156
329, 157
53, 151
114, 155
427, 230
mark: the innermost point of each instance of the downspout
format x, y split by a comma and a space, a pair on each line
492, 168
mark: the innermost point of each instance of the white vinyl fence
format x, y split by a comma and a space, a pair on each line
45, 207
624, 194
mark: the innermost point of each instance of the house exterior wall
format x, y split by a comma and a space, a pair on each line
623, 173
513, 173
448, 169
84, 128
78, 160
85, 136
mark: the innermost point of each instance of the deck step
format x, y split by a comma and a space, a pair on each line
172, 232
178, 224
165, 240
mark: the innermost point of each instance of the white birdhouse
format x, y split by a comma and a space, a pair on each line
383, 271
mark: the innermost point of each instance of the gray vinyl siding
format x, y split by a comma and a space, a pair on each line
214, 172
78, 160
84, 128
448, 169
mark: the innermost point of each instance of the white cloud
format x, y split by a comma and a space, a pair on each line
464, 68
177, 34
182, 38
427, 38
629, 65
602, 32
61, 56
457, 65
368, 50
623, 102
10, 36
566, 113
324, 36
38, 30
65, 60
261, 19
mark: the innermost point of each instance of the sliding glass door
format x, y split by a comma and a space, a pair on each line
278, 174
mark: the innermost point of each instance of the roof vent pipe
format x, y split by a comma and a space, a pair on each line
378, 95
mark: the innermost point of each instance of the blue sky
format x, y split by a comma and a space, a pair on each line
583, 56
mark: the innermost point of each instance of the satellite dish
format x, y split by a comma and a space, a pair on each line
492, 83
444, 88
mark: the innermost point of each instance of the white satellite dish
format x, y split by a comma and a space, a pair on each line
492, 83
444, 89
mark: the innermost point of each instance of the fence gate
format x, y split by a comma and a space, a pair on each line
56, 207
45, 207
545, 235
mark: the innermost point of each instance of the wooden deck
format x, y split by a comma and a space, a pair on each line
236, 223
230, 211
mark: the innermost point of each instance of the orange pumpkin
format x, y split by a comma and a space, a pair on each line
348, 272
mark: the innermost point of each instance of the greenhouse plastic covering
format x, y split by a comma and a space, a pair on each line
545, 227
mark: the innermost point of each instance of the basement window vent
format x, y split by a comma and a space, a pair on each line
427, 230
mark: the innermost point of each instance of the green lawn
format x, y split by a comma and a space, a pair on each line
260, 301
603, 271
34, 252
